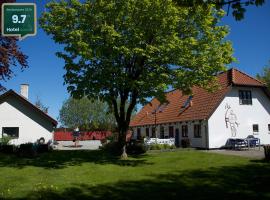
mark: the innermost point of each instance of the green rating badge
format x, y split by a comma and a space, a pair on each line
19, 19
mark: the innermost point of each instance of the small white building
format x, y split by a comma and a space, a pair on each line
22, 120
239, 108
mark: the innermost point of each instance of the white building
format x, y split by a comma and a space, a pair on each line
239, 108
22, 120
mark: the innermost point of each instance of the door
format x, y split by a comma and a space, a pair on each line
171, 135
176, 139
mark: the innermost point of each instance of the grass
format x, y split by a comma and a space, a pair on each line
159, 175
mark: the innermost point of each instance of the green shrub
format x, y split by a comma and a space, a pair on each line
113, 148
166, 146
136, 147
161, 146
8, 149
267, 151
5, 140
27, 150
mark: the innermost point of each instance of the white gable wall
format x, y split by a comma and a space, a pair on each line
246, 116
32, 125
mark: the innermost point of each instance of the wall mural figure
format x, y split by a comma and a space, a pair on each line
231, 120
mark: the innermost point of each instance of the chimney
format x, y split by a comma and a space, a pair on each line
24, 90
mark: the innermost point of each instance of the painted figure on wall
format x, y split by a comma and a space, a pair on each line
231, 120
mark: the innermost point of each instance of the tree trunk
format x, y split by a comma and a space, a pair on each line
123, 116
122, 141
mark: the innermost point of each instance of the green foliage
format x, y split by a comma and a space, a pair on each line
238, 6
132, 50
136, 147
5, 140
86, 114
265, 75
161, 146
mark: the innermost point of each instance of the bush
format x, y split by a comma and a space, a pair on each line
267, 151
42, 148
136, 147
8, 149
185, 143
113, 148
27, 150
166, 146
161, 146
5, 140
155, 146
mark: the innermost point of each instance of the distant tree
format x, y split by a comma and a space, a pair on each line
10, 54
133, 50
86, 114
40, 105
265, 75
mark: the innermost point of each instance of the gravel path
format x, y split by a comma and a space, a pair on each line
83, 145
252, 153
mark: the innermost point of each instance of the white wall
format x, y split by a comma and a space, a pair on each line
246, 116
32, 125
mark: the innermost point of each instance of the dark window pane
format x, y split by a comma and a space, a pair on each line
245, 97
255, 128
11, 131
138, 133
171, 135
197, 130
147, 132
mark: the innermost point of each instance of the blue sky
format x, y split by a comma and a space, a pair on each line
250, 38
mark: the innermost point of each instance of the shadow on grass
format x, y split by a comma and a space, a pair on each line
62, 159
241, 182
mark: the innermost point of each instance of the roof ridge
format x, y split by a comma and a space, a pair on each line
26, 100
235, 69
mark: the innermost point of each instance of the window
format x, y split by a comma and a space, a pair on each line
197, 131
255, 129
245, 97
138, 133
269, 128
153, 132
162, 132
184, 131
171, 135
11, 131
147, 132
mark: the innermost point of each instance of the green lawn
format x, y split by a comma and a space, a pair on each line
163, 175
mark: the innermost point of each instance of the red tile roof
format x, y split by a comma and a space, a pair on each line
203, 102
29, 104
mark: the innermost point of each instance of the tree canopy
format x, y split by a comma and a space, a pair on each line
136, 49
10, 54
86, 114
235, 7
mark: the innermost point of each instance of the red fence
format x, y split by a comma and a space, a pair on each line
68, 135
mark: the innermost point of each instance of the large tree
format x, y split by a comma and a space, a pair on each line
86, 114
135, 49
10, 53
235, 7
